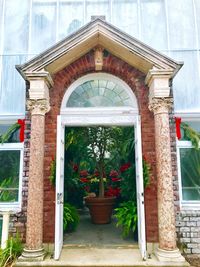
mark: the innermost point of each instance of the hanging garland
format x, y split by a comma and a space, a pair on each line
11, 130
191, 134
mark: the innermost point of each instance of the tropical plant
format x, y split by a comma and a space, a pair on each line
6, 137
11, 252
126, 215
70, 218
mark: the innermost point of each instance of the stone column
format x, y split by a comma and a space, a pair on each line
167, 250
34, 233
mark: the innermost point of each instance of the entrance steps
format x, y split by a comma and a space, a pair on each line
101, 257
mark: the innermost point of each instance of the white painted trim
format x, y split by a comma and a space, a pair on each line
5, 229
184, 204
14, 207
93, 76
188, 115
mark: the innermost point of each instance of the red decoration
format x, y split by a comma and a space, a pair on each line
22, 127
178, 128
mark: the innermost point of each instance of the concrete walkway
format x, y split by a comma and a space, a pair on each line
90, 235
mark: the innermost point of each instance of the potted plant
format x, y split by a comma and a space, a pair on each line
101, 142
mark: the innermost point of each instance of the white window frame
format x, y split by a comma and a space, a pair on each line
186, 204
14, 206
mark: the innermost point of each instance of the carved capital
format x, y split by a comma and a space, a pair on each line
160, 105
38, 106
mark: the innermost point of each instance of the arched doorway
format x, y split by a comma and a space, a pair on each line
98, 99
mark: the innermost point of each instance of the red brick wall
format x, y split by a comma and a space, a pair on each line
135, 79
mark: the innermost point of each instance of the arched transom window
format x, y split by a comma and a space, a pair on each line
100, 92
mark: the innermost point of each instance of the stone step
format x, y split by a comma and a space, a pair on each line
101, 257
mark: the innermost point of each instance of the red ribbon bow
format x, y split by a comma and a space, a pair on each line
178, 127
22, 128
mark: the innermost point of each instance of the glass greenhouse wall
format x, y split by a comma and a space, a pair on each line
30, 26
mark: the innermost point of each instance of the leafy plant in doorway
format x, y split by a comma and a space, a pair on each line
11, 252
70, 218
126, 215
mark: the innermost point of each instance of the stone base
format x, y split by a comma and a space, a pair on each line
32, 255
169, 255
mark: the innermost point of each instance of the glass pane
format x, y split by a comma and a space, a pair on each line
9, 175
97, 8
74, 19
127, 11
16, 26
99, 93
14, 138
1, 24
12, 90
181, 24
186, 83
153, 20
190, 173
43, 25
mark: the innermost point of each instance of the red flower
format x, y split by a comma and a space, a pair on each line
114, 173
96, 173
125, 167
75, 167
84, 180
112, 192
84, 173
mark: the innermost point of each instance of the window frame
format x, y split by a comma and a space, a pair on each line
186, 204
14, 206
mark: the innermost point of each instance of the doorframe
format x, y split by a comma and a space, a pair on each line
104, 117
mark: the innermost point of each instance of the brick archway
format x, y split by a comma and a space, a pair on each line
136, 80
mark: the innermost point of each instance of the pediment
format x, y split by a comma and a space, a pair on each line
95, 33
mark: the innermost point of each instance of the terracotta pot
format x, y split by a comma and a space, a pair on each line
100, 209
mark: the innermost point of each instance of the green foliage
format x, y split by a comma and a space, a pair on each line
12, 251
7, 195
70, 218
128, 187
6, 137
126, 215
52, 176
191, 134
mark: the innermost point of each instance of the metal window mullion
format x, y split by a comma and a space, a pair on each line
30, 29
57, 16
167, 25
139, 20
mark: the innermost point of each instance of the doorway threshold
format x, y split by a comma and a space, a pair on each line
100, 257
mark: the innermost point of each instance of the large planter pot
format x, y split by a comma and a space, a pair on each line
100, 209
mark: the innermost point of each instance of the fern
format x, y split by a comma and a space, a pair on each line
70, 218
126, 216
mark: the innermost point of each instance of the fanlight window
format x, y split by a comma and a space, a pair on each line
100, 93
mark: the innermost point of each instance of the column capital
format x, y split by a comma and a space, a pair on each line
38, 106
160, 105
